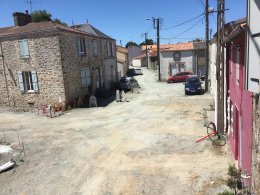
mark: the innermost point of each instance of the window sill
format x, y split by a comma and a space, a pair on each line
85, 86
24, 57
31, 92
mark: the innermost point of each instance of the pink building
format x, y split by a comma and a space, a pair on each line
239, 99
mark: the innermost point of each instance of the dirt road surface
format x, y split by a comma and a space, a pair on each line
144, 146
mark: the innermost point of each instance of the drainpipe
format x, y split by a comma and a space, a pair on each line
6, 85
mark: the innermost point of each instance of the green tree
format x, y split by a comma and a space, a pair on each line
40, 16
147, 42
58, 21
130, 43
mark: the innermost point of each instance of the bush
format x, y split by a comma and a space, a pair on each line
226, 192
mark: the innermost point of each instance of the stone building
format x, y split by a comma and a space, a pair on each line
109, 75
47, 63
122, 61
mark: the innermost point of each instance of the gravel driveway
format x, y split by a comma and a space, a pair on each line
144, 146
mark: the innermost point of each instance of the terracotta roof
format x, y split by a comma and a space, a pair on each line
153, 53
178, 46
234, 33
121, 49
36, 28
140, 56
148, 47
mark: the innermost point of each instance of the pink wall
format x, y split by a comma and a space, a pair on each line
241, 138
247, 107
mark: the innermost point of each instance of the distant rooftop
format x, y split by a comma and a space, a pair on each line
177, 46
121, 49
38, 27
91, 29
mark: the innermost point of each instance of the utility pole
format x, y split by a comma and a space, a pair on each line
220, 65
145, 40
158, 47
207, 44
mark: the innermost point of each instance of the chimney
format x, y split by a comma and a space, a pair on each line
21, 19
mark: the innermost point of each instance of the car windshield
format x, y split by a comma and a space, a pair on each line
194, 80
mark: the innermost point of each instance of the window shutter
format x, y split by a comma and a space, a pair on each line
26, 50
85, 45
94, 47
108, 49
21, 83
83, 77
88, 77
78, 45
21, 48
35, 81
112, 48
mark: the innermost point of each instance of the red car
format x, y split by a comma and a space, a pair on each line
179, 77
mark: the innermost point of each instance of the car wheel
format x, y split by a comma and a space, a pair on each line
186, 93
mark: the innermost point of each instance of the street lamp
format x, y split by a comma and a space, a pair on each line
157, 20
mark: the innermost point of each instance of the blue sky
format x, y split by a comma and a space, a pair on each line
125, 20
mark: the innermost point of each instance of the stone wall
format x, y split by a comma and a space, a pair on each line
110, 64
73, 62
256, 147
44, 57
56, 59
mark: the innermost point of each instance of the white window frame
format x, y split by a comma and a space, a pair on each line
110, 49
85, 77
28, 81
82, 45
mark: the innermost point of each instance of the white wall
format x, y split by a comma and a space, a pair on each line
253, 47
120, 69
212, 67
137, 62
167, 57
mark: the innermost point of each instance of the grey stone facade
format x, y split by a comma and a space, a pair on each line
47, 64
55, 58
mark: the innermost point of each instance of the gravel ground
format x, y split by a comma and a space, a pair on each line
144, 146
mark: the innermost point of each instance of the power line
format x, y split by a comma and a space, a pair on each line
184, 38
203, 3
187, 29
183, 22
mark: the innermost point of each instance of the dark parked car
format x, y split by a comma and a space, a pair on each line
193, 85
128, 83
179, 77
134, 72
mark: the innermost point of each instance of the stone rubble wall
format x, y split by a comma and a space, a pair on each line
256, 148
45, 58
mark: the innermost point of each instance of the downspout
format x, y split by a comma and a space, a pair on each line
6, 85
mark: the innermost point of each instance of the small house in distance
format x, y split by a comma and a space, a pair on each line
122, 61
182, 57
